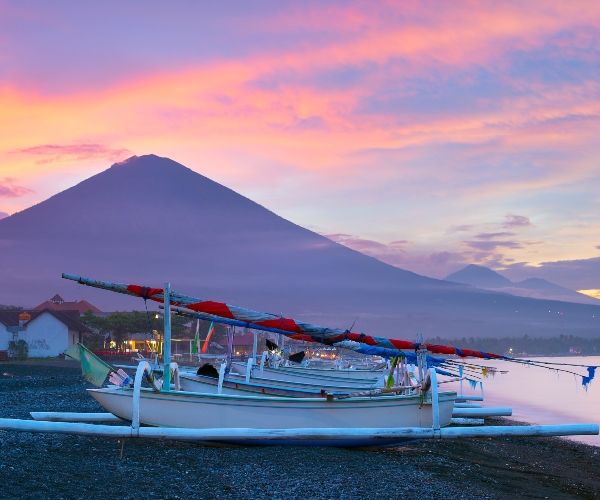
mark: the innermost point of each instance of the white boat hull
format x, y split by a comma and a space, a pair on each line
209, 411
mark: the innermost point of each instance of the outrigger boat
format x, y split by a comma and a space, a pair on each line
359, 420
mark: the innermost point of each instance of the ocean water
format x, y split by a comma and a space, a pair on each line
544, 397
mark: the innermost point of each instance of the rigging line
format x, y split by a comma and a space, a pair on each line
466, 370
468, 365
552, 363
148, 316
470, 376
531, 363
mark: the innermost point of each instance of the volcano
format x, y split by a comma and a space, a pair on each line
149, 220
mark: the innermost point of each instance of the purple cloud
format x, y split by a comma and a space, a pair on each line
488, 246
491, 236
434, 264
357, 243
55, 153
516, 221
8, 189
441, 258
399, 245
3, 215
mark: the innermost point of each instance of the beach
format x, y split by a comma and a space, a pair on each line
63, 466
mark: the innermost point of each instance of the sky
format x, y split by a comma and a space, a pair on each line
430, 135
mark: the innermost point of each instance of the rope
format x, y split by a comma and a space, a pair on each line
148, 317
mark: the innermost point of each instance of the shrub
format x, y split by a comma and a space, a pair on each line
18, 350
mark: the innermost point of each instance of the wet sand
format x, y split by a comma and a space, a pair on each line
61, 466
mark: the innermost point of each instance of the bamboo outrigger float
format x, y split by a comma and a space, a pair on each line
166, 412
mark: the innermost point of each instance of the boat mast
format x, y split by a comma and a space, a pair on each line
167, 339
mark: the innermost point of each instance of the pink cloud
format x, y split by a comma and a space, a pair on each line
55, 153
8, 189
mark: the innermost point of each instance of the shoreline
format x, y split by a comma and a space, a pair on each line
63, 466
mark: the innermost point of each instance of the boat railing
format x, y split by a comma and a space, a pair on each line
144, 371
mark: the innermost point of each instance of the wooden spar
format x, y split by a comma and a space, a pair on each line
272, 436
290, 327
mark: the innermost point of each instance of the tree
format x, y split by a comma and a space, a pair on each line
120, 325
141, 322
100, 326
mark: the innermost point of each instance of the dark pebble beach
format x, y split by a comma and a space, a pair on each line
53, 466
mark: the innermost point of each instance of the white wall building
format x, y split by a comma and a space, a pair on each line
48, 333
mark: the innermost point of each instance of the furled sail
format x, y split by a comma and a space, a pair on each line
298, 330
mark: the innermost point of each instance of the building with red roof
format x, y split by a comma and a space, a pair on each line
57, 303
48, 333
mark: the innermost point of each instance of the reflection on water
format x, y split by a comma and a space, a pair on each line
544, 397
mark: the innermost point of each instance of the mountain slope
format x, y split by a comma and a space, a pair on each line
149, 220
483, 277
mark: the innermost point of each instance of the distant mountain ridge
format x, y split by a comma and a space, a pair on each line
486, 278
148, 220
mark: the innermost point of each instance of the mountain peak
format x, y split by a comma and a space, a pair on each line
479, 276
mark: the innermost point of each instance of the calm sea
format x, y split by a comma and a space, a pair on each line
544, 397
